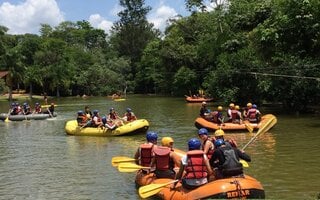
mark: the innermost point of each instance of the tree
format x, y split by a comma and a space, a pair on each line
131, 34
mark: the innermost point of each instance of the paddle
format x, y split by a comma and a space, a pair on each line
264, 128
7, 118
244, 163
47, 106
86, 124
115, 161
248, 126
152, 189
49, 112
130, 167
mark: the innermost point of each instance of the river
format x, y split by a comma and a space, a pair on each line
39, 161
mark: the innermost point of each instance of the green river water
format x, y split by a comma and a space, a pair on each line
39, 161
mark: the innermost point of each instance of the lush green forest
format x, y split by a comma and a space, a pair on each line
242, 50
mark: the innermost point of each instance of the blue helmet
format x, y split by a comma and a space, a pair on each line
13, 104
203, 131
95, 112
254, 106
152, 136
37, 104
80, 112
218, 143
194, 144
111, 109
25, 104
128, 109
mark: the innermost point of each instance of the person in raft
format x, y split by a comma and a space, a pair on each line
225, 160
88, 112
82, 119
165, 159
114, 117
37, 108
207, 146
229, 111
219, 134
204, 112
96, 119
129, 116
196, 166
144, 153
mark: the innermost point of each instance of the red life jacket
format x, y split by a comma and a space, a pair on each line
130, 117
38, 109
234, 114
113, 116
252, 113
196, 167
162, 155
146, 154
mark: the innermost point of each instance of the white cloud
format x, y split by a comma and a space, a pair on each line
99, 22
161, 15
115, 10
26, 17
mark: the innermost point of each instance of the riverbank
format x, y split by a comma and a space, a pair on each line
20, 97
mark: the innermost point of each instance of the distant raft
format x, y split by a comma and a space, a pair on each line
137, 126
41, 116
197, 99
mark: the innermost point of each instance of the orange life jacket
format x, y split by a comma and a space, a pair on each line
146, 154
196, 167
162, 155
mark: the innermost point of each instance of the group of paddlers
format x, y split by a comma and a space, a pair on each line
111, 121
207, 158
234, 114
25, 109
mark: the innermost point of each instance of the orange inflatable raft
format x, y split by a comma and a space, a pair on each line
197, 99
229, 188
211, 126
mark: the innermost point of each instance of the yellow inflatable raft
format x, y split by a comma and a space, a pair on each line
137, 126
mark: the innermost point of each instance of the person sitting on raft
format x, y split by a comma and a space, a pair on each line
26, 109
165, 159
37, 108
207, 146
204, 112
82, 119
96, 119
225, 160
114, 117
129, 116
196, 166
144, 153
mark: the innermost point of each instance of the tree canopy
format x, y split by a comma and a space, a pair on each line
237, 51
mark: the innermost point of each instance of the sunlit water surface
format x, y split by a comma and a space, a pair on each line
39, 161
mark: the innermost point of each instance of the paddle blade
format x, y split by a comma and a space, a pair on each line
7, 119
248, 126
121, 159
263, 128
130, 167
152, 189
244, 163
267, 126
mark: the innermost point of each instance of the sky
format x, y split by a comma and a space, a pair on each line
25, 16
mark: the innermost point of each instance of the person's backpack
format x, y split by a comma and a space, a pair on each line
231, 166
